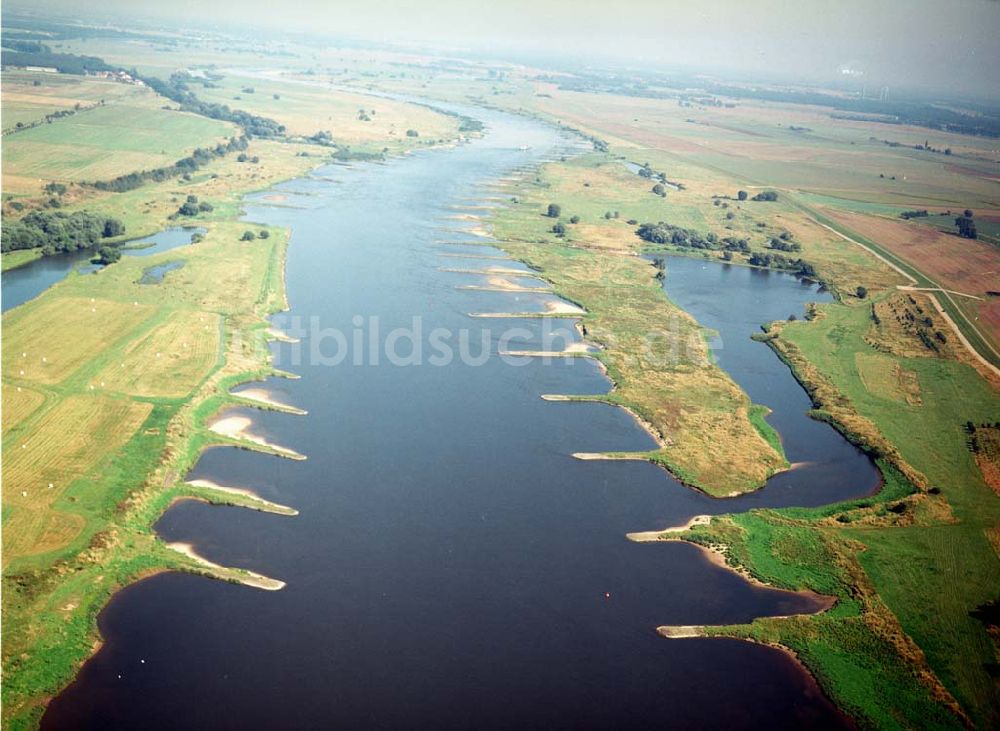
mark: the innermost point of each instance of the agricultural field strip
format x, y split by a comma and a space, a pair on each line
915, 276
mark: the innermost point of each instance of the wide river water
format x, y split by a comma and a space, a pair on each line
452, 565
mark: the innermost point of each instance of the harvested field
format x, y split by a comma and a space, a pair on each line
47, 343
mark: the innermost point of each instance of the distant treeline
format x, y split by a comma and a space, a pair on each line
184, 166
66, 63
56, 232
980, 121
25, 46
984, 123
176, 89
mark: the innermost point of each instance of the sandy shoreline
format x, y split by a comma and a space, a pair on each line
235, 427
276, 334
262, 396
649, 536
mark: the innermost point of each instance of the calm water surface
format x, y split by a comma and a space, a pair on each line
27, 282
452, 565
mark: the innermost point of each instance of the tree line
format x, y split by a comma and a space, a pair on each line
67, 63
59, 231
176, 89
184, 166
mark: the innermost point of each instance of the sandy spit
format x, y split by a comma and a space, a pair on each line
276, 507
263, 396
649, 536
235, 427
573, 350
247, 578
276, 334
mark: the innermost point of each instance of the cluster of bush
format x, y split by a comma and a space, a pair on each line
967, 225
786, 263
184, 166
58, 231
191, 207
666, 233
784, 243
468, 124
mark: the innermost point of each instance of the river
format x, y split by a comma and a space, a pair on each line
452, 566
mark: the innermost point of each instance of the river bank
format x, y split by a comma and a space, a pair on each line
55, 589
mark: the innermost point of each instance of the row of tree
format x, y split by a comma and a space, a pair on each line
184, 166
177, 89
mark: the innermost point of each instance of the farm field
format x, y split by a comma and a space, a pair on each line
30, 95
44, 458
967, 270
306, 106
171, 360
104, 142
49, 342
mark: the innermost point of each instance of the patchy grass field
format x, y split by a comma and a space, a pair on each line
19, 402
932, 578
104, 142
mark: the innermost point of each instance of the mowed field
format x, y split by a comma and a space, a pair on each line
48, 342
128, 134
173, 358
66, 443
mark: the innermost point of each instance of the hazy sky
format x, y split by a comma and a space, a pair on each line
912, 43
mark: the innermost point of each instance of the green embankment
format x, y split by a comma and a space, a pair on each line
925, 561
655, 353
